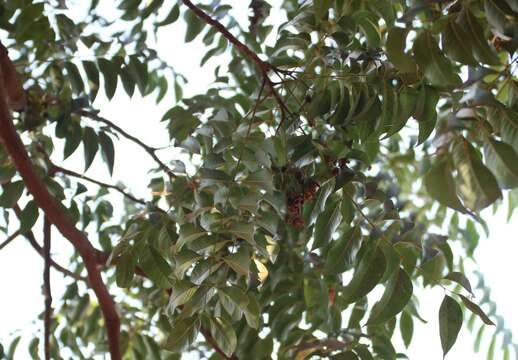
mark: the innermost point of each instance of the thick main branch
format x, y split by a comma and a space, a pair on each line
46, 202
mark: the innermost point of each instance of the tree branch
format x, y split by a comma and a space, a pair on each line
32, 240
245, 50
16, 150
9, 239
59, 169
46, 286
263, 66
150, 150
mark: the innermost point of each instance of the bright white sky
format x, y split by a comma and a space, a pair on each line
21, 298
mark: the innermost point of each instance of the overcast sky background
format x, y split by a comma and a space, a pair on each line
21, 299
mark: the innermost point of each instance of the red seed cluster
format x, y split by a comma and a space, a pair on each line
296, 201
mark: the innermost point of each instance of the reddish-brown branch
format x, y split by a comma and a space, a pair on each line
245, 50
46, 287
9, 239
16, 150
29, 235
263, 66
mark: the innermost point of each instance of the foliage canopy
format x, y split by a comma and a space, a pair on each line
336, 158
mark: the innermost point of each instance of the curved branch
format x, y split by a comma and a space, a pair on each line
263, 66
245, 50
16, 150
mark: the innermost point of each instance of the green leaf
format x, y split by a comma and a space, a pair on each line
456, 42
75, 77
73, 138
505, 122
475, 309
233, 298
367, 276
183, 261
107, 150
243, 231
397, 294
343, 251
91, 145
12, 347
128, 82
480, 46
253, 312
478, 185
125, 269
155, 266
181, 127
426, 113
224, 335
262, 179
92, 73
171, 17
437, 69
406, 326
396, 43
194, 26
110, 71
450, 322
140, 73
188, 233
239, 261
28, 216
460, 279
325, 190
440, 185
11, 193
181, 292
502, 160
182, 335
326, 224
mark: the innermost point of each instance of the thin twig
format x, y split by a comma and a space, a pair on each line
149, 149
56, 168
29, 235
9, 239
46, 286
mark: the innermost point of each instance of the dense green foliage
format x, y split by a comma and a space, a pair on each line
327, 186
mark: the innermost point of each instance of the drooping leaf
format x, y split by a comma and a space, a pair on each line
91, 145
28, 216
475, 309
110, 70
437, 69
396, 44
502, 160
450, 322
440, 185
326, 224
224, 335
397, 294
460, 279
182, 335
367, 276
478, 185
107, 150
